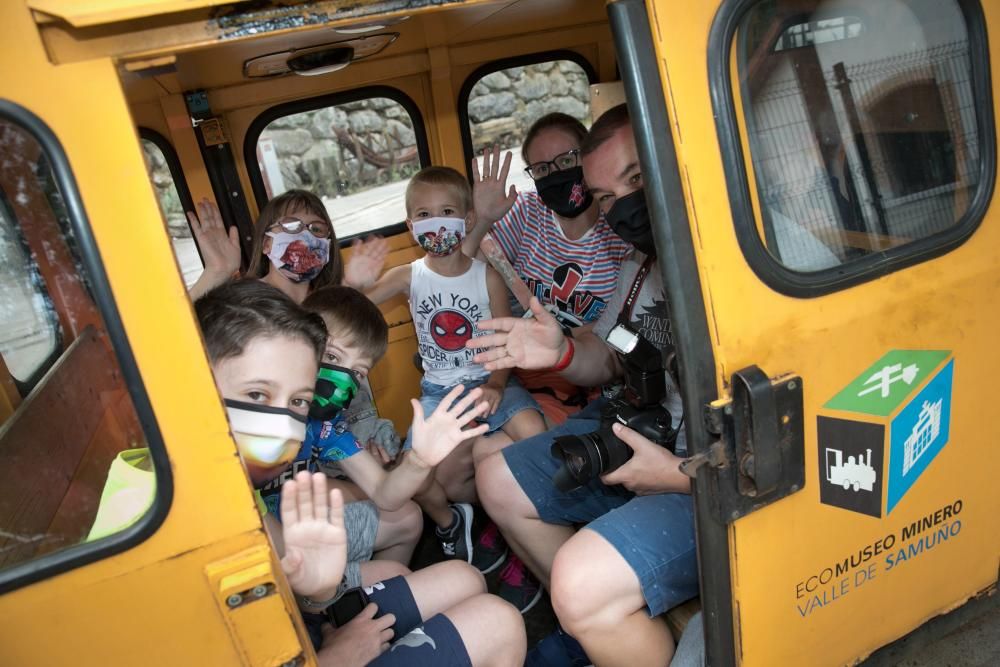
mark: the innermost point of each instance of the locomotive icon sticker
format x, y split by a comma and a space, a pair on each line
888, 424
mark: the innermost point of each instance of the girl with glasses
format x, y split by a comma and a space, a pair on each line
294, 248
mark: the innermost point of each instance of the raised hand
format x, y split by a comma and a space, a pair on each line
314, 535
219, 251
358, 643
520, 342
488, 189
436, 436
365, 263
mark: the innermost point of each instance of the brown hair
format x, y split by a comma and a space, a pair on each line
441, 176
351, 315
235, 313
553, 121
274, 210
604, 128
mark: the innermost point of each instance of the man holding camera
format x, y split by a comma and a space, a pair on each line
635, 556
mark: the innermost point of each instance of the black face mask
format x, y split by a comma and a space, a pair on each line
629, 219
563, 191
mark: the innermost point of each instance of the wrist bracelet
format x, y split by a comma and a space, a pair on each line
567, 358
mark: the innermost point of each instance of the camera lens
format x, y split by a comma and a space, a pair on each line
582, 459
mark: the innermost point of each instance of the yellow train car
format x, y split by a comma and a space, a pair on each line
820, 176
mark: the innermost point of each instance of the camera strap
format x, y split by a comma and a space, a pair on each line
625, 316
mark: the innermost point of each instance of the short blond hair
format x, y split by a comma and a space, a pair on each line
441, 177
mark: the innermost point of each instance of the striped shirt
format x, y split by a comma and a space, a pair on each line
578, 277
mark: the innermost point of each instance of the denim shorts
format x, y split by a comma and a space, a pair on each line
515, 399
654, 534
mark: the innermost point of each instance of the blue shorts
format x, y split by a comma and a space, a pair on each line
515, 399
435, 642
654, 534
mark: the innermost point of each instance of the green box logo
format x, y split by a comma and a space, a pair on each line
888, 382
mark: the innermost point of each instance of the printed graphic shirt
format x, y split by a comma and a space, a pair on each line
326, 443
649, 318
445, 311
578, 277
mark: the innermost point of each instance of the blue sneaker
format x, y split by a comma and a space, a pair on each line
557, 650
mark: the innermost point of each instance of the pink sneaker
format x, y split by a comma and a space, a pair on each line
518, 586
491, 549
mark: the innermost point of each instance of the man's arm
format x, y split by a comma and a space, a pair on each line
538, 342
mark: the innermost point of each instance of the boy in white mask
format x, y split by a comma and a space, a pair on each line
265, 352
449, 293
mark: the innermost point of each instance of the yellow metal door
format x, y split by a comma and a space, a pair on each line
195, 580
820, 177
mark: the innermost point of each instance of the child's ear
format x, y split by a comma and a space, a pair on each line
470, 220
409, 225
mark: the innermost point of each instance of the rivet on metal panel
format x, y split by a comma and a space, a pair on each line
234, 600
259, 591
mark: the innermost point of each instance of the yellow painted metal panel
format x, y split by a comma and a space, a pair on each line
82, 13
941, 304
152, 603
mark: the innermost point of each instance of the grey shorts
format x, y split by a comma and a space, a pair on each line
361, 523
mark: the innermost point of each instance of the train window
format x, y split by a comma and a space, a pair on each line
865, 131
82, 471
355, 151
502, 100
29, 328
172, 193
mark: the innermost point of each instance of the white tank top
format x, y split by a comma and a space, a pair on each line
445, 312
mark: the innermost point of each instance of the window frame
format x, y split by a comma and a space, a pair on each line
24, 387
486, 69
271, 114
874, 265
176, 173
79, 555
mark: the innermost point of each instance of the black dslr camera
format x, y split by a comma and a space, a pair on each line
638, 407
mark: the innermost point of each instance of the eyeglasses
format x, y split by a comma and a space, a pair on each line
317, 228
567, 160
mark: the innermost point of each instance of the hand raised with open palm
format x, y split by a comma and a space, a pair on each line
436, 436
314, 535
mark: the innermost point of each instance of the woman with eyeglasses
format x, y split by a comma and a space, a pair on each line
554, 238
294, 248
567, 255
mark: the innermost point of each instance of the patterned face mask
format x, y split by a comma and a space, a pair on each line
299, 257
266, 436
336, 387
564, 192
439, 236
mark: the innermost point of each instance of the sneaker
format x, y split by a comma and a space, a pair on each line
456, 541
490, 551
518, 586
557, 650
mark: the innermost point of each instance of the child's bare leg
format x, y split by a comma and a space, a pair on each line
456, 474
524, 424
438, 587
398, 533
432, 500
485, 445
374, 571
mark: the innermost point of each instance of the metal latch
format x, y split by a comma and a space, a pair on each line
759, 456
